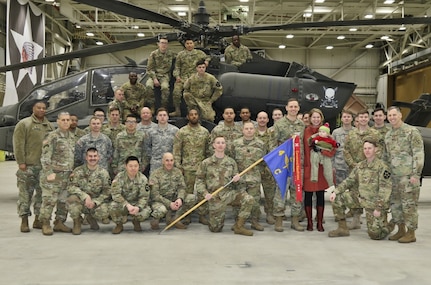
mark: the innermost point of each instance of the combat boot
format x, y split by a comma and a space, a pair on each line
295, 224
203, 220
187, 220
24, 224
136, 225
278, 224
180, 226
239, 228
401, 232
390, 226
76, 226
176, 113
356, 222
408, 237
341, 231
46, 228
155, 224
118, 229
37, 224
255, 225
93, 223
59, 226
270, 220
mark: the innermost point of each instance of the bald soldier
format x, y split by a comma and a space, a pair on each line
201, 90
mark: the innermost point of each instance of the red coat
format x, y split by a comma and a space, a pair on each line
307, 185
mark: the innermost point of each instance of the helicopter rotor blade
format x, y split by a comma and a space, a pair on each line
349, 23
87, 52
129, 10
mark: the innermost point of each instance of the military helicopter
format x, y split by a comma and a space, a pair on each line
260, 84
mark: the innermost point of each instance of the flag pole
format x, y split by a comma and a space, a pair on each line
213, 193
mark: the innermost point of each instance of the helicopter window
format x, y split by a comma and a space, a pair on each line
57, 94
106, 80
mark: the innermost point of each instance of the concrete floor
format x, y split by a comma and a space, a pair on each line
197, 256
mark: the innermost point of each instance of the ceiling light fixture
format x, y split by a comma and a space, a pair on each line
282, 46
319, 1
388, 2
369, 46
99, 43
402, 28
243, 1
90, 34
307, 15
135, 27
329, 47
341, 37
289, 36
353, 29
182, 14
368, 16
141, 35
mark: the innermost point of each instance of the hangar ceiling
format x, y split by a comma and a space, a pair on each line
70, 20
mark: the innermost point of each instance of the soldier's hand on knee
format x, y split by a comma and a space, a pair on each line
51, 177
332, 197
208, 196
376, 213
236, 178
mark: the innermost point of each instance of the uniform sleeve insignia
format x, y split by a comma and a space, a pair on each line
147, 187
218, 84
386, 174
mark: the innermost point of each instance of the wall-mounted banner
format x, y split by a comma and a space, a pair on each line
25, 41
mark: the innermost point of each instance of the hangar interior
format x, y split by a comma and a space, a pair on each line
370, 56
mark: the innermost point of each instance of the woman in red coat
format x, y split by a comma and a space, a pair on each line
316, 120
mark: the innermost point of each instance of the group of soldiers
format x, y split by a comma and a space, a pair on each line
198, 88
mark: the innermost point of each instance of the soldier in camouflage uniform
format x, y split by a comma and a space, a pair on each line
236, 53
373, 179
215, 172
114, 126
57, 163
130, 195
160, 139
353, 153
159, 67
74, 130
379, 117
146, 120
245, 116
129, 142
191, 145
27, 145
405, 150
247, 150
339, 134
168, 193
97, 140
119, 103
89, 193
185, 66
284, 129
265, 134
136, 96
201, 90
226, 129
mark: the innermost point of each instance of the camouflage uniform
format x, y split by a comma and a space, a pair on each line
338, 162
166, 187
185, 66
27, 145
190, 149
112, 132
128, 145
201, 92
373, 179
121, 106
103, 145
145, 128
57, 157
159, 66
247, 152
160, 140
94, 183
405, 151
237, 55
136, 96
214, 173
125, 191
383, 130
268, 182
353, 152
77, 134
230, 133
284, 129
